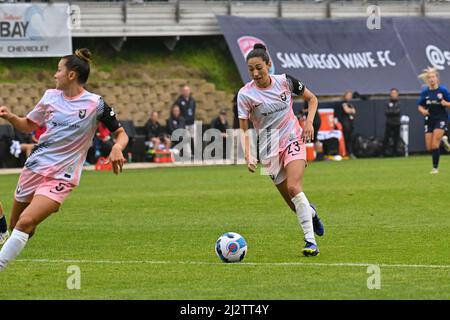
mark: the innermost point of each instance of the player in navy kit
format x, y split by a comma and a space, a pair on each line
433, 101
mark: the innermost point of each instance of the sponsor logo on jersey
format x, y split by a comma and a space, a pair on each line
273, 111
65, 124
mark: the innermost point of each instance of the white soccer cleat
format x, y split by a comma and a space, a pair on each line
434, 171
446, 143
3, 237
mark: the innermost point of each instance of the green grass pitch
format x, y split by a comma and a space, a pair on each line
150, 234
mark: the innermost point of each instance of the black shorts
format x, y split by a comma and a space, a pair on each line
431, 124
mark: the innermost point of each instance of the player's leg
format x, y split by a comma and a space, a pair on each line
17, 209
446, 142
317, 223
428, 142
27, 184
4, 234
283, 189
435, 144
294, 178
37, 211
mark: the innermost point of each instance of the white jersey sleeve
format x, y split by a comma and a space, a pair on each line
37, 115
243, 106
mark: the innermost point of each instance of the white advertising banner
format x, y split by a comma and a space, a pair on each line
34, 30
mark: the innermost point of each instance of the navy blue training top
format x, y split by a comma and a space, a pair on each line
431, 100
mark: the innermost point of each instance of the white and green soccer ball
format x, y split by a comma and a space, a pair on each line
231, 247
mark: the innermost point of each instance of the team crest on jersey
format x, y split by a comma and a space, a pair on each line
283, 96
82, 114
440, 96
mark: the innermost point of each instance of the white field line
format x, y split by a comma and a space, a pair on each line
149, 165
275, 264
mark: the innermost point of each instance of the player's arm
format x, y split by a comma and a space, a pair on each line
251, 164
421, 102
423, 110
297, 87
243, 114
348, 108
20, 123
116, 156
445, 101
108, 117
308, 129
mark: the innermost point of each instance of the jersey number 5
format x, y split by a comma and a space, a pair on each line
59, 188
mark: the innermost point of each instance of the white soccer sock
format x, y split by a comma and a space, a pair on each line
304, 216
12, 247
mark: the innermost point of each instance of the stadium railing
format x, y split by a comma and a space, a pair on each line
197, 18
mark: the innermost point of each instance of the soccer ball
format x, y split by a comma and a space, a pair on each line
231, 247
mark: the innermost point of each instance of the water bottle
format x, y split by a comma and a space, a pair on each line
404, 132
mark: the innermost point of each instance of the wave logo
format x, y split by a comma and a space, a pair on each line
232, 248
246, 44
437, 57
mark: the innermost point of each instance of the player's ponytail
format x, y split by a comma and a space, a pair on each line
426, 72
84, 54
259, 51
80, 63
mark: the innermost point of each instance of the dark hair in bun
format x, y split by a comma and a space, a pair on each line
80, 63
259, 51
259, 46
84, 54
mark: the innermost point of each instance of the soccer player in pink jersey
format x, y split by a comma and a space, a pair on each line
70, 113
267, 102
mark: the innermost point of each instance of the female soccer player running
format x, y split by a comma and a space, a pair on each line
267, 102
432, 103
70, 114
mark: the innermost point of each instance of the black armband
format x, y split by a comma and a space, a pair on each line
297, 87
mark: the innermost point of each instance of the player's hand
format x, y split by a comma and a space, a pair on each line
425, 113
116, 158
308, 132
5, 113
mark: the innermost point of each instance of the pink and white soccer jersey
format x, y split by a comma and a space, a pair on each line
61, 151
270, 110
